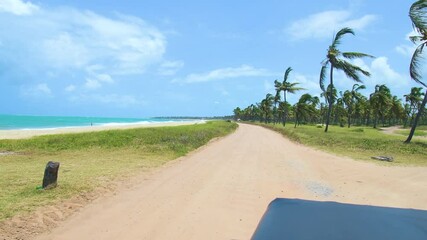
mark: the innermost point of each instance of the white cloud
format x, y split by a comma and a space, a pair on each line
407, 49
17, 7
324, 24
126, 44
96, 80
92, 83
381, 73
70, 88
382, 70
169, 68
69, 43
225, 73
110, 99
309, 83
37, 91
63, 51
43, 88
105, 78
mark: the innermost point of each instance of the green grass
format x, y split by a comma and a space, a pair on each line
423, 128
418, 133
90, 160
359, 143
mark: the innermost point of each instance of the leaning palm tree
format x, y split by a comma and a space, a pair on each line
418, 15
326, 95
350, 98
277, 86
333, 61
305, 108
288, 87
414, 99
380, 101
265, 106
397, 110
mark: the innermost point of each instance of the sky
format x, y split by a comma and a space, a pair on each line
187, 58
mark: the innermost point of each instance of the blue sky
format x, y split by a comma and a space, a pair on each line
186, 58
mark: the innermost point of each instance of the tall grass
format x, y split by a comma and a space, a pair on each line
358, 143
90, 160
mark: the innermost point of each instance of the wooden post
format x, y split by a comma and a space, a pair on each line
50, 175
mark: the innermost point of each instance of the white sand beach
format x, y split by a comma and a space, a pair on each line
20, 134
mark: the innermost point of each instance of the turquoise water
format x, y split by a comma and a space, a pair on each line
9, 122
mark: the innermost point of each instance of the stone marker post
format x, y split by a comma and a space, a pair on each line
50, 175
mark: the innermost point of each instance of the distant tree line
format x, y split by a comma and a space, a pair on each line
380, 108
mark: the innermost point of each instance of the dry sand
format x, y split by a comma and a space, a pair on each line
222, 190
19, 134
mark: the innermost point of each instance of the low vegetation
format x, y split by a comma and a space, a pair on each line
359, 143
90, 160
418, 133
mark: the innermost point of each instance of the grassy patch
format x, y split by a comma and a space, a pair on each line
422, 127
89, 160
358, 142
418, 133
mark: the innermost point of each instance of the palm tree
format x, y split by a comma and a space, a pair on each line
237, 113
418, 16
287, 87
380, 102
350, 98
333, 61
397, 110
326, 94
414, 99
277, 86
339, 111
305, 108
361, 110
265, 106
252, 112
348, 101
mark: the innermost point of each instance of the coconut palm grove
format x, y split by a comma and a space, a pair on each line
348, 107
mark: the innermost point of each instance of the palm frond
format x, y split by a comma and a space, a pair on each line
277, 85
357, 87
353, 55
291, 88
339, 35
418, 15
350, 70
285, 77
416, 39
414, 67
323, 77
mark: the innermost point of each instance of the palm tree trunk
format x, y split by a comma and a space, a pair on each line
296, 120
285, 113
275, 113
330, 98
414, 125
349, 118
375, 120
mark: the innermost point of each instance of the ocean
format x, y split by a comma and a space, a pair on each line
16, 122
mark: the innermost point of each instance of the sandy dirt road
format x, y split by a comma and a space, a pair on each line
222, 190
